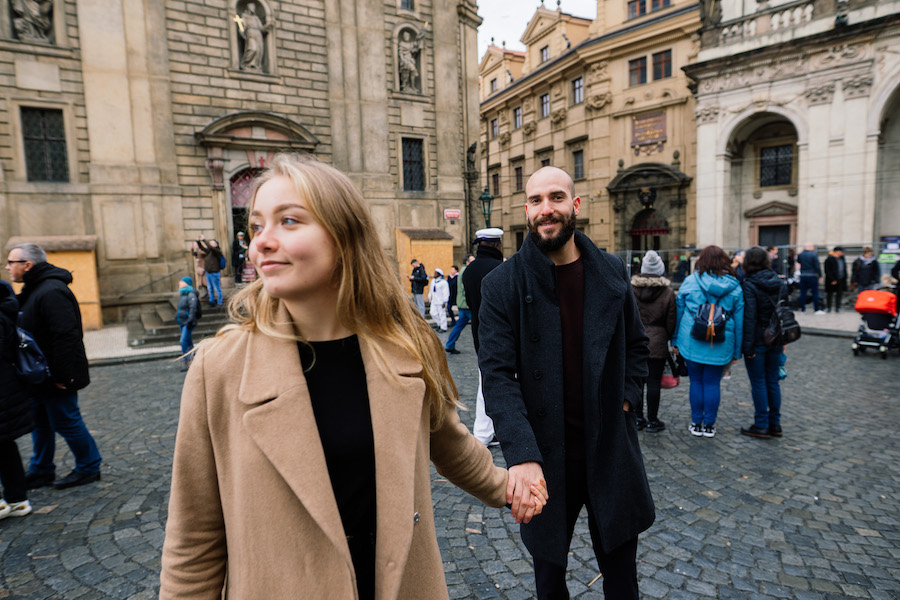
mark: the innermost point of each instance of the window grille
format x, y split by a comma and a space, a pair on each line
776, 165
413, 165
44, 140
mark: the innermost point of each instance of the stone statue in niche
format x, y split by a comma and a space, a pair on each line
253, 32
33, 20
409, 51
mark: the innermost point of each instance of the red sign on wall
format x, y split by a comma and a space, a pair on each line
452, 213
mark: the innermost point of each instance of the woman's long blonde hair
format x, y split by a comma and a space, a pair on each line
371, 302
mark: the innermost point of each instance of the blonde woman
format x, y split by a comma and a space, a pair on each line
306, 428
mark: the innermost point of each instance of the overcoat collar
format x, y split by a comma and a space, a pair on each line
281, 422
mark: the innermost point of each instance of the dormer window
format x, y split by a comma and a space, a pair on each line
545, 54
407, 4
637, 8
494, 84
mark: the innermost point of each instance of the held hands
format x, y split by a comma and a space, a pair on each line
526, 491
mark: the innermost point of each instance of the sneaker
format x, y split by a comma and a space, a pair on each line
655, 426
782, 373
709, 431
696, 429
494, 442
641, 423
16, 509
757, 432
820, 312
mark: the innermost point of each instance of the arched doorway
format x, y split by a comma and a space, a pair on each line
648, 231
242, 184
761, 201
887, 198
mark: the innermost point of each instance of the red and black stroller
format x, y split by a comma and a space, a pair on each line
879, 329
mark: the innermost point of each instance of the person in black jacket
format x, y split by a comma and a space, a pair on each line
49, 311
15, 412
453, 282
835, 278
417, 282
762, 290
212, 264
186, 316
866, 272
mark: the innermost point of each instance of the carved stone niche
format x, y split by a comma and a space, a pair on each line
599, 101
34, 21
529, 128
409, 49
504, 138
252, 30
558, 116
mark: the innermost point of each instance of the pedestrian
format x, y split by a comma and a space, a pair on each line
488, 257
810, 277
438, 296
737, 261
656, 304
187, 315
465, 315
199, 271
50, 313
713, 281
895, 273
866, 272
452, 281
301, 464
563, 354
15, 412
835, 279
212, 265
763, 289
417, 281
238, 256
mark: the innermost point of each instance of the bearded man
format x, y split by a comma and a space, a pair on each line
563, 353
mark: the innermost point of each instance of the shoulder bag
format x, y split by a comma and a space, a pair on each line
709, 322
31, 364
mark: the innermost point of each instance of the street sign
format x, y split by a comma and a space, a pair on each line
452, 213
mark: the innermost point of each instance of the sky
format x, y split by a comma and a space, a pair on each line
507, 19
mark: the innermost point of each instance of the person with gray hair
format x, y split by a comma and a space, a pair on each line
49, 311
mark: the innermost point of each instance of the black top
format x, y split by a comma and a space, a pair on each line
570, 290
336, 377
487, 258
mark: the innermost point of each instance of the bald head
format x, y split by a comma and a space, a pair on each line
555, 173
809, 246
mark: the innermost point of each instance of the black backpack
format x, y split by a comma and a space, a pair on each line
783, 327
709, 322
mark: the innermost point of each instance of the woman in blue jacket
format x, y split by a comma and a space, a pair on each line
713, 280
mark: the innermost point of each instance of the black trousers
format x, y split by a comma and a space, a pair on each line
12, 473
653, 385
619, 566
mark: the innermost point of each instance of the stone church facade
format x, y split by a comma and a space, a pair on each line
143, 122
798, 122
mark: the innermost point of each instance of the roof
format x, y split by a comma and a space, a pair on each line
423, 233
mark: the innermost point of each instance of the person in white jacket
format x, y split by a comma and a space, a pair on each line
439, 295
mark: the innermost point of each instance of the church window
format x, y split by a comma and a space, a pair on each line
413, 165
776, 165
44, 140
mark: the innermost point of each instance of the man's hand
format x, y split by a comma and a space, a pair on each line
519, 490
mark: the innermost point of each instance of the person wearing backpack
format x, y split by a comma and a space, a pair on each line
213, 264
187, 315
712, 284
762, 291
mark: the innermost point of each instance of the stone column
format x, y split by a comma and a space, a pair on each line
711, 194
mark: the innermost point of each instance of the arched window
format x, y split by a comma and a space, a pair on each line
241, 194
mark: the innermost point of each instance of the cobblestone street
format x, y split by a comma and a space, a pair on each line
814, 515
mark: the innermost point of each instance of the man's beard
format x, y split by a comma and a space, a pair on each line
552, 244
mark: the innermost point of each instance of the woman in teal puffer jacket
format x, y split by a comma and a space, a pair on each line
713, 280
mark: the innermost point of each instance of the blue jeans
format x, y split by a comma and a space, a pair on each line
60, 414
214, 286
762, 370
465, 315
704, 391
187, 343
809, 282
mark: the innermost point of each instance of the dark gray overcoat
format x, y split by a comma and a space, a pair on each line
521, 365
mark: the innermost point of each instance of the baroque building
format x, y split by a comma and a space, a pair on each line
143, 122
798, 122
606, 100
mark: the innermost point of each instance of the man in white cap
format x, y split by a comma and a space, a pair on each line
439, 295
488, 256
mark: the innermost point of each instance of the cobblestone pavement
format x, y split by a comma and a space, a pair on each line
813, 515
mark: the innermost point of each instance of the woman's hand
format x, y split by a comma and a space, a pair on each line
675, 350
539, 497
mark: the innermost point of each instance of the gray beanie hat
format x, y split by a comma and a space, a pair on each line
652, 264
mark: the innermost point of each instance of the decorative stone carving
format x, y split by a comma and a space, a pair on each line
33, 20
503, 117
598, 101
558, 116
556, 90
470, 157
504, 138
529, 128
857, 87
408, 53
820, 94
706, 114
253, 32
598, 71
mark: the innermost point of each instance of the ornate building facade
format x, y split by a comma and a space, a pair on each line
798, 122
143, 122
606, 100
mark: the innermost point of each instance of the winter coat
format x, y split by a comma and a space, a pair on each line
761, 291
15, 410
486, 260
834, 267
210, 256
252, 510
725, 291
453, 282
866, 272
656, 303
521, 364
49, 311
188, 308
461, 301
439, 293
419, 280
809, 264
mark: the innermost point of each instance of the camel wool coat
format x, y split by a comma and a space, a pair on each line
252, 513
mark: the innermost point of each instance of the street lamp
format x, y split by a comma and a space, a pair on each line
487, 202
